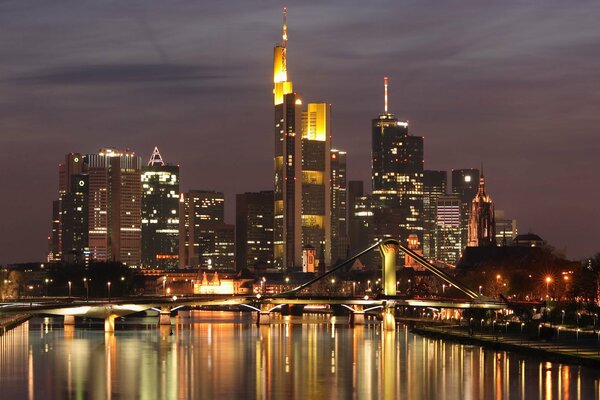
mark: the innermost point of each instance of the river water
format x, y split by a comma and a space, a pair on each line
225, 355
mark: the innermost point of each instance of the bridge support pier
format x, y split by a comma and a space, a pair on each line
184, 314
358, 316
69, 320
263, 317
164, 318
389, 319
109, 323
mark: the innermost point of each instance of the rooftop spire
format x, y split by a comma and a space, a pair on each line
284, 38
156, 159
385, 94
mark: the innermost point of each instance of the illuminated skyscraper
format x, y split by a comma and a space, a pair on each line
254, 230
448, 245
160, 213
339, 210
434, 186
481, 219
464, 184
397, 171
115, 206
316, 184
205, 240
287, 164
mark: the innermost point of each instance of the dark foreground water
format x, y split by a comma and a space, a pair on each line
224, 355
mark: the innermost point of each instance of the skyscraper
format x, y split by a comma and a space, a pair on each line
448, 245
434, 186
316, 179
160, 213
287, 164
339, 209
506, 229
464, 184
254, 229
397, 171
481, 218
114, 208
205, 240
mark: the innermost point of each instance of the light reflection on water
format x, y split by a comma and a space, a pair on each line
225, 355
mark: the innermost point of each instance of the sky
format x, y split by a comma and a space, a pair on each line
514, 85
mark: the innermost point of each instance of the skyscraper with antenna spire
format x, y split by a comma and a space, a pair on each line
397, 174
287, 224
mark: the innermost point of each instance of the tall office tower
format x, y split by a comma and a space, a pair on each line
69, 223
506, 229
205, 240
481, 219
160, 213
254, 230
434, 186
464, 184
74, 215
448, 245
316, 184
355, 191
397, 171
287, 250
339, 209
115, 206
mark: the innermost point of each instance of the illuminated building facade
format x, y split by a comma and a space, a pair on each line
205, 240
316, 184
74, 220
115, 206
339, 210
254, 229
448, 237
434, 186
160, 213
397, 171
464, 184
287, 228
481, 219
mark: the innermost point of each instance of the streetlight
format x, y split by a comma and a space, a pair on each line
262, 284
480, 287
443, 288
164, 285
548, 280
353, 288
46, 280
108, 285
563, 317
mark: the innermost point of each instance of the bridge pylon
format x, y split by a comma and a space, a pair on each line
264, 317
388, 253
164, 317
357, 317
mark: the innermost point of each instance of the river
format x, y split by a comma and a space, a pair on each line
224, 355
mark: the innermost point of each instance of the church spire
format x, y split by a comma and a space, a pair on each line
156, 159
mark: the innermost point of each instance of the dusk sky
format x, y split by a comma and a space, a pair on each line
512, 84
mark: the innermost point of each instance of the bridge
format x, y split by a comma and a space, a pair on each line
387, 301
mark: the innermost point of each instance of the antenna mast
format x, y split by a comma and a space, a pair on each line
385, 94
284, 38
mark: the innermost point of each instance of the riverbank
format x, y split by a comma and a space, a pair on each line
9, 322
569, 353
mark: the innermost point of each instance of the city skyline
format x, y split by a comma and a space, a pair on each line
517, 193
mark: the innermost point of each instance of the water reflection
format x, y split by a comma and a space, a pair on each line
225, 355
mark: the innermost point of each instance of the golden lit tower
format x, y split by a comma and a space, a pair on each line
287, 225
481, 220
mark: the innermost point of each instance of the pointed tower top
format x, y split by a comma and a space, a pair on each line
284, 34
156, 159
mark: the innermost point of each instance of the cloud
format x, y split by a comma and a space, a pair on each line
102, 74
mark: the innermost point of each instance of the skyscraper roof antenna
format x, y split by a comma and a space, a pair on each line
155, 158
385, 94
284, 34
